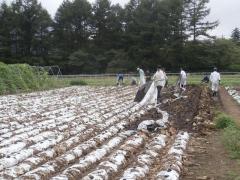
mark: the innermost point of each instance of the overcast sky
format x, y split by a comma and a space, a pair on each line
226, 11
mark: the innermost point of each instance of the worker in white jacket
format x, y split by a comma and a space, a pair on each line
142, 77
183, 80
215, 81
159, 79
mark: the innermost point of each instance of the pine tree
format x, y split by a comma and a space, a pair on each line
72, 22
197, 11
25, 29
236, 35
6, 21
101, 20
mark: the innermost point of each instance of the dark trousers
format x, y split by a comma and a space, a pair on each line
159, 88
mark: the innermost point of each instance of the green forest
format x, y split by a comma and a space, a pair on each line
106, 38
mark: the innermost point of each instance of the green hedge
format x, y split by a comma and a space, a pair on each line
20, 77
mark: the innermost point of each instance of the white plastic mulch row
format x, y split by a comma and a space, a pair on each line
78, 138
14, 159
54, 122
55, 108
145, 160
22, 106
106, 169
83, 147
61, 123
234, 93
40, 139
32, 162
52, 167
172, 162
37, 139
113, 163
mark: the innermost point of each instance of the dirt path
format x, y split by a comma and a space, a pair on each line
229, 105
207, 158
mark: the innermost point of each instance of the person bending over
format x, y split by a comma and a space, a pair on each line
120, 79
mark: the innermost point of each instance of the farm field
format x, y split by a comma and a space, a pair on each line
99, 133
226, 80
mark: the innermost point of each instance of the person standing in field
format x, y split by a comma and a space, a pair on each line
182, 80
215, 79
159, 81
142, 77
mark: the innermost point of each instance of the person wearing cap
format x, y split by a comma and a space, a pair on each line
142, 76
159, 81
215, 79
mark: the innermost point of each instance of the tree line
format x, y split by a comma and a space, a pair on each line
102, 37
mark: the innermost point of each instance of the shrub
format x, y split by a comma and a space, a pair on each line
17, 78
224, 121
27, 73
6, 79
231, 139
78, 83
20, 77
231, 134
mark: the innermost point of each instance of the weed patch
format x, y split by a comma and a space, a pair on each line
224, 121
231, 139
231, 134
78, 83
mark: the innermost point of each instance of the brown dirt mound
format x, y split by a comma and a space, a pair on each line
207, 157
192, 112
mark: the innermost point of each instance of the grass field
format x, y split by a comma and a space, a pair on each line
53, 82
227, 80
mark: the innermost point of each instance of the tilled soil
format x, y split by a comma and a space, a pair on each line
207, 157
91, 133
193, 111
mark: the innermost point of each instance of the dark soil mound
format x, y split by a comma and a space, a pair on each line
192, 110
